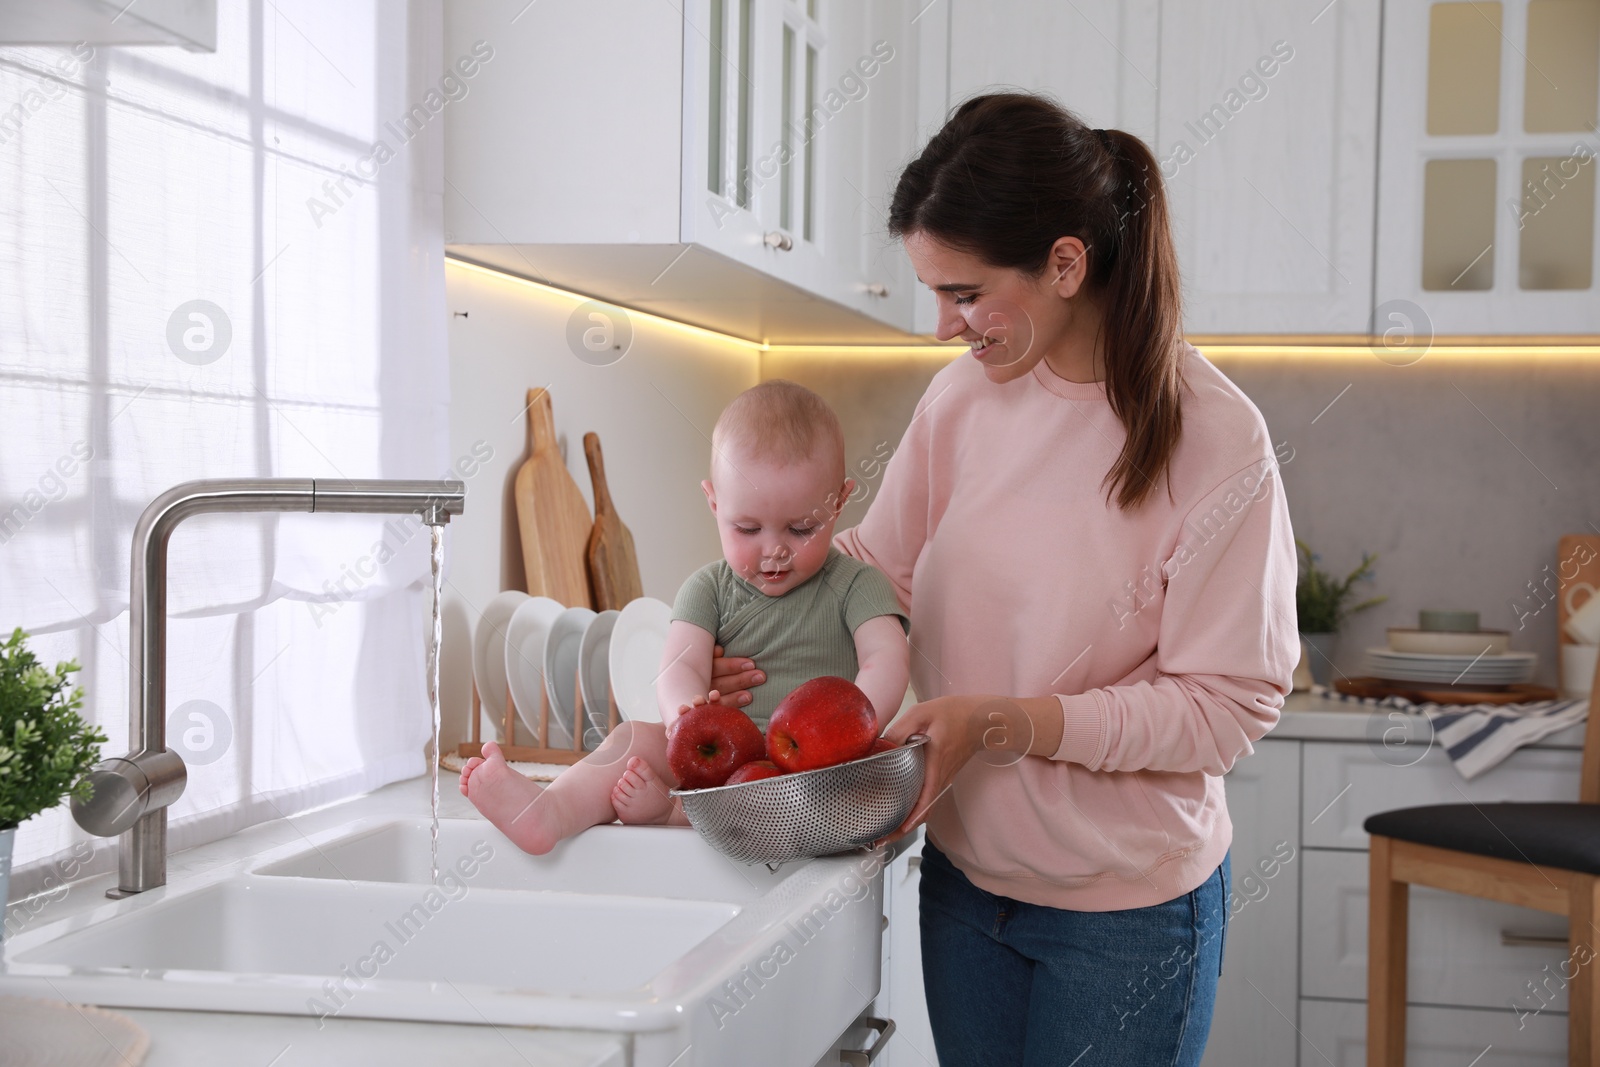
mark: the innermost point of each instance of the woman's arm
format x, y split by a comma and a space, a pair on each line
883, 664
685, 669
1225, 651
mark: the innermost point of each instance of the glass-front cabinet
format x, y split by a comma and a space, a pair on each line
1487, 168
789, 106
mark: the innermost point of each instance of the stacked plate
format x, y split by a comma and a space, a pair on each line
1483, 668
536, 650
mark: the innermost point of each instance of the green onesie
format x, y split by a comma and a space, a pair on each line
806, 633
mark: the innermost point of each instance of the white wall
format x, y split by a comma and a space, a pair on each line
653, 409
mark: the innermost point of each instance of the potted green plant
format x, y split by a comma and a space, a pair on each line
46, 747
1321, 602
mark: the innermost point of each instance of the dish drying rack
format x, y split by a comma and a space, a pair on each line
541, 752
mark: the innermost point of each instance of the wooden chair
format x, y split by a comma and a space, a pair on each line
1543, 856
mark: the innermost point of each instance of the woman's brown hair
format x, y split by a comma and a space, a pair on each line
1010, 174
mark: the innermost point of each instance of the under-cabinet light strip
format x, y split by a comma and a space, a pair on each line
1334, 346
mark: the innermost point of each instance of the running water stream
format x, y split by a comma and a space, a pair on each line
435, 635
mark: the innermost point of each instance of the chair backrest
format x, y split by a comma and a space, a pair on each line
1589, 776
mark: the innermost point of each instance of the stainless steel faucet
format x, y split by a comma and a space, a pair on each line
131, 794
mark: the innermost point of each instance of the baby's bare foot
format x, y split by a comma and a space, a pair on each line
640, 796
512, 803
466, 771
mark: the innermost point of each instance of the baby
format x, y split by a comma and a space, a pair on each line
781, 592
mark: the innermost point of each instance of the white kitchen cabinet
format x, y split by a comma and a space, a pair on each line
902, 998
999, 45
1254, 1017
727, 164
1465, 952
1346, 783
1334, 1035
1267, 136
1262, 114
1487, 178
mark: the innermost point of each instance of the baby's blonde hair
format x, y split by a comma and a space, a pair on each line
779, 421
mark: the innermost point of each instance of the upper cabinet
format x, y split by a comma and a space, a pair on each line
1487, 187
728, 166
1263, 115
1267, 136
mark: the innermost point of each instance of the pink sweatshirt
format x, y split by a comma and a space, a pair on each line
1168, 633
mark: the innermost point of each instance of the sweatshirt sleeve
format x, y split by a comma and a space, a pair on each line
1226, 647
892, 534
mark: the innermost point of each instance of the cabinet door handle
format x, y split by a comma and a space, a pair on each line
1511, 937
914, 863
861, 1057
778, 240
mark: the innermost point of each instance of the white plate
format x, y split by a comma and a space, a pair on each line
637, 640
594, 676
524, 659
561, 672
1507, 669
489, 656
1449, 659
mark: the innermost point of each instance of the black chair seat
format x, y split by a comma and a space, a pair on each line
1565, 836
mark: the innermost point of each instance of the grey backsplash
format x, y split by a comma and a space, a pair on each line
1461, 472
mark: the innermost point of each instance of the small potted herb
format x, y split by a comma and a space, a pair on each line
1321, 602
46, 747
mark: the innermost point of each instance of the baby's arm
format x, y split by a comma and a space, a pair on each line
884, 658
685, 668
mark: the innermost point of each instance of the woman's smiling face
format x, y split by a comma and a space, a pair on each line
1011, 319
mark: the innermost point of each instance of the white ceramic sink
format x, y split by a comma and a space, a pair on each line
644, 930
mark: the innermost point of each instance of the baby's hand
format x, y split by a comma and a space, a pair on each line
709, 698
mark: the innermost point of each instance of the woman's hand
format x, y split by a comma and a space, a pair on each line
959, 728
731, 676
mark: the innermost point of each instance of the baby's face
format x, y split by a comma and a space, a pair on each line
775, 520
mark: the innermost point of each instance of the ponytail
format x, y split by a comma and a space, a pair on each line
1010, 174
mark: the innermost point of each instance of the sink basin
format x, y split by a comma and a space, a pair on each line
646, 931
635, 861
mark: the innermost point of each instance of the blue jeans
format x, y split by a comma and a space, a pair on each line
1012, 984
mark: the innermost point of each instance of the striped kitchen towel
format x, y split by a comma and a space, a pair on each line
1478, 736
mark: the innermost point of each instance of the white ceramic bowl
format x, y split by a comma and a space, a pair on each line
1442, 642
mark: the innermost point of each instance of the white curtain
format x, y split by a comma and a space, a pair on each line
227, 265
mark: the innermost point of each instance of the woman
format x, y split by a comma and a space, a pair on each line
1085, 522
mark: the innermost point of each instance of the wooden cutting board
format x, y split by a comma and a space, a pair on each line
553, 520
613, 565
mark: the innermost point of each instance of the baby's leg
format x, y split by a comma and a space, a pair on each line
508, 800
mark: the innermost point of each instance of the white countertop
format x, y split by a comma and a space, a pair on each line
1313, 718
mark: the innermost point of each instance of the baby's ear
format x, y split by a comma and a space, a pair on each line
711, 493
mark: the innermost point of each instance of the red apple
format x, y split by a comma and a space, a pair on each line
709, 742
754, 771
882, 744
822, 722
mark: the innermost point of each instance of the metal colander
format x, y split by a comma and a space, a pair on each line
810, 813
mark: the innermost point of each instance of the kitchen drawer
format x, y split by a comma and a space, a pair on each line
1345, 783
1456, 956
1334, 1032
